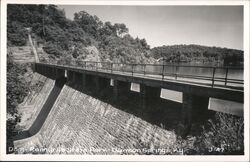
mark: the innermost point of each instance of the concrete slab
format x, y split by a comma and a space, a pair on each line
111, 82
65, 73
231, 107
135, 87
171, 95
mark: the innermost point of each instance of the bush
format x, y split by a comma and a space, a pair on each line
16, 34
52, 49
222, 135
17, 89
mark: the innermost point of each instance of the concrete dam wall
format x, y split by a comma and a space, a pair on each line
80, 119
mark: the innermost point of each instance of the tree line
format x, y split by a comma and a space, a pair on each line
199, 54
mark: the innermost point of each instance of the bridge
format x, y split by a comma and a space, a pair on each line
183, 84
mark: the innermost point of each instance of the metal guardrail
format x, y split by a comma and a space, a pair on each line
222, 76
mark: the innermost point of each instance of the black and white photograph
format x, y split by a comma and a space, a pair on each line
144, 78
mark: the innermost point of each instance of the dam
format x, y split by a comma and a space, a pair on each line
87, 107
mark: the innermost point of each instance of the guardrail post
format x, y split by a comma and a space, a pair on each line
132, 69
176, 72
111, 67
163, 71
115, 91
143, 96
213, 77
122, 66
226, 77
144, 69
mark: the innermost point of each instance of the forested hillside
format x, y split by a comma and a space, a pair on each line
198, 54
67, 39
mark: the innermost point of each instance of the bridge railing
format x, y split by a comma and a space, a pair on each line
219, 76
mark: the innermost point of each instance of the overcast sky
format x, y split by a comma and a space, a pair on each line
220, 26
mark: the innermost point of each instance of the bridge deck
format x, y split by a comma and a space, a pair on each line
211, 87
217, 82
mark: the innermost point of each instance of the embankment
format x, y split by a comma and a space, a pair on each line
92, 126
34, 101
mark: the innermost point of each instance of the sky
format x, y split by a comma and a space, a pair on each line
220, 26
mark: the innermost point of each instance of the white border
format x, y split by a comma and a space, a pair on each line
3, 155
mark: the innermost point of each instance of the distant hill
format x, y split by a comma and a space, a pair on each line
196, 53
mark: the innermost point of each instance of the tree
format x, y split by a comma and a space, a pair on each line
108, 29
144, 43
121, 29
90, 24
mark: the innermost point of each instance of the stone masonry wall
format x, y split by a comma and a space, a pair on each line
78, 121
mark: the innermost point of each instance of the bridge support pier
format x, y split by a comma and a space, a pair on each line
187, 111
187, 107
194, 109
41, 70
54, 73
97, 84
70, 78
77, 79
143, 96
115, 90
51, 72
59, 73
83, 81
74, 77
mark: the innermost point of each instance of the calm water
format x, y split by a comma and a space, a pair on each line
197, 71
182, 69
